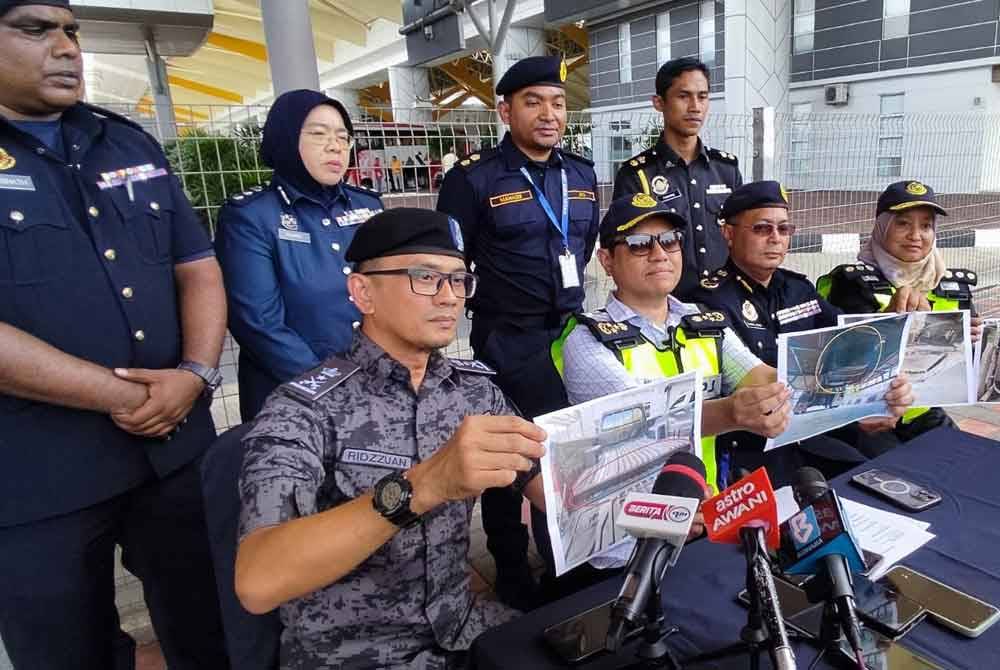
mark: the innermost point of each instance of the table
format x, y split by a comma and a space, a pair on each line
699, 592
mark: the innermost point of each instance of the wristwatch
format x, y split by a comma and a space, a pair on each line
391, 498
211, 376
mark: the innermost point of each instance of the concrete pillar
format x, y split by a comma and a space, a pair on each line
290, 49
163, 103
410, 94
519, 43
758, 49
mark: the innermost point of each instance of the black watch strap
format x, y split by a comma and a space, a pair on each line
391, 498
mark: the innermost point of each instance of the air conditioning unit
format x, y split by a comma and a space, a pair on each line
836, 94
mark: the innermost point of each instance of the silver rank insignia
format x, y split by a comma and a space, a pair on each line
749, 311
660, 185
642, 159
289, 222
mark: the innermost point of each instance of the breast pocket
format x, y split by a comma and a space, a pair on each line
148, 219
36, 241
713, 204
513, 220
581, 212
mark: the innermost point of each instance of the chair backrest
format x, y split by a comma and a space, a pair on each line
252, 640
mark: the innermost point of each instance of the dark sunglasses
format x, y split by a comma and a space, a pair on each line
641, 244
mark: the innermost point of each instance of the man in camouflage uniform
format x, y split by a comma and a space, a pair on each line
360, 476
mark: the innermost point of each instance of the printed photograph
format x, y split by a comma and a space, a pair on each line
938, 358
601, 450
988, 363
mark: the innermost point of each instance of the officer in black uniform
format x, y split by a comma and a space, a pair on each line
112, 316
529, 215
763, 300
680, 165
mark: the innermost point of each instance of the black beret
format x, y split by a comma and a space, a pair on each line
406, 230
906, 194
7, 5
531, 71
755, 195
629, 211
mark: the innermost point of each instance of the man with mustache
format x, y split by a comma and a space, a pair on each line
112, 316
529, 214
681, 166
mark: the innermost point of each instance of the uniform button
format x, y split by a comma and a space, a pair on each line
773, 316
698, 227
335, 246
93, 211
356, 325
760, 345
697, 205
110, 254
127, 292
16, 216
326, 222
701, 250
705, 272
694, 181
139, 336
347, 271
40, 151
155, 206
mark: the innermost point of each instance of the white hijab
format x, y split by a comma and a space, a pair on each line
923, 275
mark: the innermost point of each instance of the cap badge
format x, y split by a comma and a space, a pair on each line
563, 71
784, 193
659, 184
916, 188
643, 200
456, 234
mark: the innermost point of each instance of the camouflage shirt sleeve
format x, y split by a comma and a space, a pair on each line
282, 464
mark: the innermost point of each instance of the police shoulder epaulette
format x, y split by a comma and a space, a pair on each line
610, 333
247, 196
316, 383
108, 114
793, 274
859, 271
474, 160
366, 191
718, 154
578, 157
961, 276
471, 365
705, 323
639, 161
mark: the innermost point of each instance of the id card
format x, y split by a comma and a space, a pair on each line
567, 266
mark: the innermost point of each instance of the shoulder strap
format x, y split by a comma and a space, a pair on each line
615, 335
316, 383
709, 323
472, 366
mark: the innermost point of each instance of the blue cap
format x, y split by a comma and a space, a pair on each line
906, 194
755, 195
629, 211
532, 71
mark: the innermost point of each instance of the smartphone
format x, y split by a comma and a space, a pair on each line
885, 610
901, 492
577, 639
950, 607
882, 653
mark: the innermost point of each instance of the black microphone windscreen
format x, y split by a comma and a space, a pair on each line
683, 475
808, 485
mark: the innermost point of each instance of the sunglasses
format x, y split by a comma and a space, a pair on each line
762, 229
641, 244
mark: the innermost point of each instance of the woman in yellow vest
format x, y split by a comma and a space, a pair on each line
900, 269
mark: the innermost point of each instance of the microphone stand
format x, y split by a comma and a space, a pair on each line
653, 651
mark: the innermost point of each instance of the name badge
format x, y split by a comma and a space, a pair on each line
378, 459
294, 236
717, 189
16, 182
567, 267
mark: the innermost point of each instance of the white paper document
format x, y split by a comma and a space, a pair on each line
599, 451
892, 536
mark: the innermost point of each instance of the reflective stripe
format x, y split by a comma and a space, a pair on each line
644, 182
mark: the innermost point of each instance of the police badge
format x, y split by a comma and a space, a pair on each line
749, 311
659, 184
289, 222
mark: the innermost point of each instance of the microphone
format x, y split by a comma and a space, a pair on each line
747, 513
819, 541
661, 520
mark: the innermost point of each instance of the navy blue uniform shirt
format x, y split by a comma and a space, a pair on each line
703, 186
90, 270
282, 256
513, 244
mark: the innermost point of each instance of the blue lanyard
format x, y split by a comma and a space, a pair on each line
544, 202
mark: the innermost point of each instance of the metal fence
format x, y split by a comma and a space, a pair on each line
834, 166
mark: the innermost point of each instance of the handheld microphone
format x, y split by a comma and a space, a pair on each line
661, 520
819, 541
747, 513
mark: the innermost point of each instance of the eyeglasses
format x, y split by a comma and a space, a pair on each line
424, 281
641, 244
763, 229
319, 138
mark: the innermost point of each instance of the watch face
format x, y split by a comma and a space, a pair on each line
391, 495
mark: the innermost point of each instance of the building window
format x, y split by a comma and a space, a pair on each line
803, 25
706, 32
625, 52
798, 159
895, 19
621, 143
662, 38
890, 135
